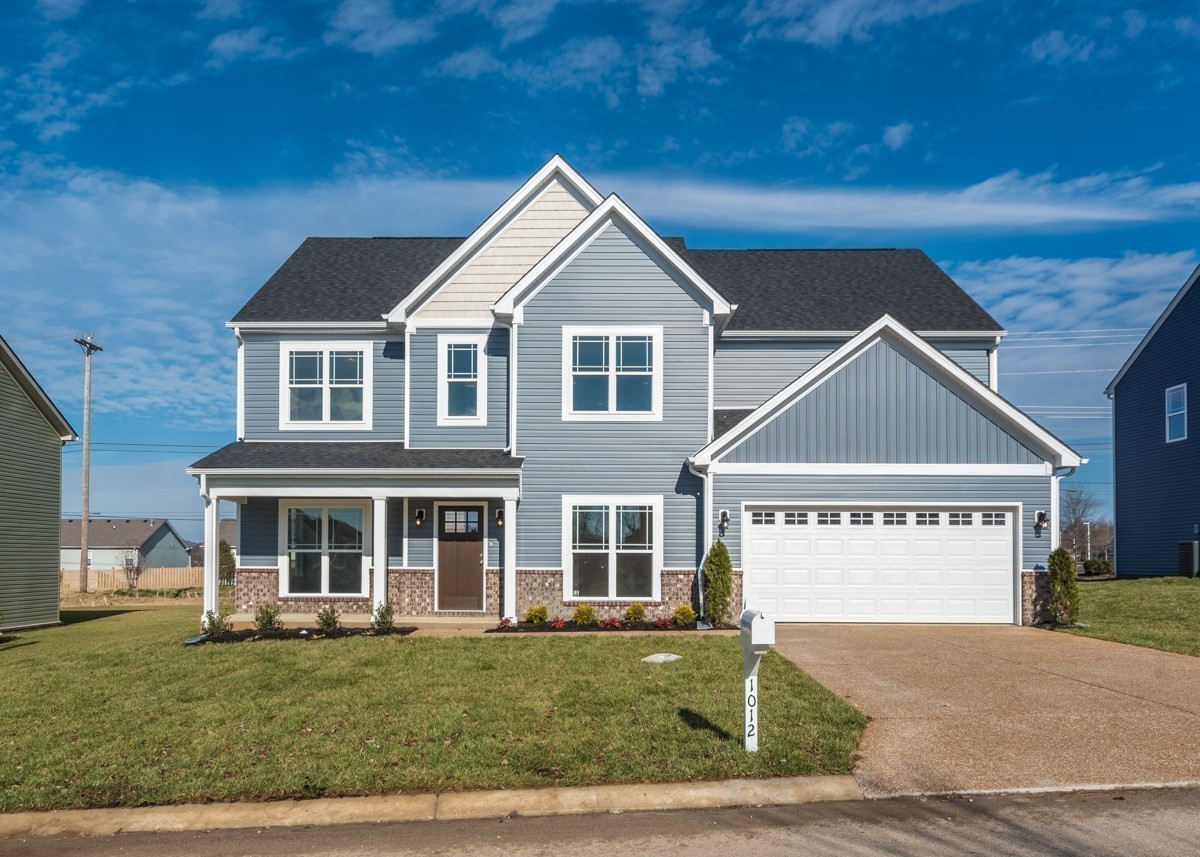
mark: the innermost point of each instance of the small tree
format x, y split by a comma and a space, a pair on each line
227, 564
132, 567
718, 583
1064, 590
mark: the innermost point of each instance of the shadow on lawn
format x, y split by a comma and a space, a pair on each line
8, 642
74, 617
696, 720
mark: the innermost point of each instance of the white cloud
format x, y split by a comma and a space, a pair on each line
896, 136
1058, 48
250, 43
592, 64
1135, 23
805, 138
59, 10
372, 26
829, 22
220, 10
523, 19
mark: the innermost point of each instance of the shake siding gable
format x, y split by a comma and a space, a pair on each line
882, 407
30, 476
1157, 504
262, 390
422, 425
613, 282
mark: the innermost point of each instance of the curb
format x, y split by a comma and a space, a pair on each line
448, 806
1016, 791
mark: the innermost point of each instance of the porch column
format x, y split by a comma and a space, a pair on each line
379, 552
212, 555
510, 560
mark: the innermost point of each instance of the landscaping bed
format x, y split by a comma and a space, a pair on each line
1156, 612
248, 635
109, 710
567, 626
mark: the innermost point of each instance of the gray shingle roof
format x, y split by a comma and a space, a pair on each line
319, 455
361, 279
726, 418
109, 532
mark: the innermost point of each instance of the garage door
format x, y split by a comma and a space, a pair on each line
918, 564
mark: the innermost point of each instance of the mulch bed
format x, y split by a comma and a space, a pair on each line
569, 626
250, 635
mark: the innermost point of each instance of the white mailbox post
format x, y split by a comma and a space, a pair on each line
758, 634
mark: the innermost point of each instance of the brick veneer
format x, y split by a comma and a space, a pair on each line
257, 586
1035, 597
545, 586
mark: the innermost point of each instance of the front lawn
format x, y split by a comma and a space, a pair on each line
1157, 612
111, 710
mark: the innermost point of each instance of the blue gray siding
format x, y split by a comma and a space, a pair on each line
30, 480
730, 492
261, 359
614, 281
258, 541
164, 550
746, 374
882, 408
1157, 499
422, 419
421, 539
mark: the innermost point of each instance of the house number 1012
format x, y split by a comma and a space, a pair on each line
751, 737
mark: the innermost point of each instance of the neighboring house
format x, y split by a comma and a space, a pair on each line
113, 541
566, 407
1156, 445
228, 532
32, 434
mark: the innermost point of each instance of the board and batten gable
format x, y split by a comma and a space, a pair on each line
423, 427
261, 370
615, 281
747, 372
30, 498
1157, 504
881, 408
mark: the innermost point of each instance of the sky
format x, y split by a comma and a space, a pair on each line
159, 160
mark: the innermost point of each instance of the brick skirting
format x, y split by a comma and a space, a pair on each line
256, 586
679, 586
1035, 597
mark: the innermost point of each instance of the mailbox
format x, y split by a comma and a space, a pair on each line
758, 632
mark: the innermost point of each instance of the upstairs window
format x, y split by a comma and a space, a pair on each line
462, 379
325, 385
612, 373
1177, 413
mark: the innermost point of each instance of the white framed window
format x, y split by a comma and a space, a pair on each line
795, 519
762, 519
862, 519
612, 373
961, 519
993, 519
325, 385
1176, 413
829, 519
928, 519
612, 547
462, 379
322, 548
895, 519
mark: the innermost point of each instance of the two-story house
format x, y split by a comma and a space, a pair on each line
1156, 453
567, 407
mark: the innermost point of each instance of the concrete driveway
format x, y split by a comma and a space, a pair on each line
997, 707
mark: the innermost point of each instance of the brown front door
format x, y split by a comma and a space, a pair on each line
460, 558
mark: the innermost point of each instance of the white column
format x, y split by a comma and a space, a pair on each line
510, 560
379, 552
212, 555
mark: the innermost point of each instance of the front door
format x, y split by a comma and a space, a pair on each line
460, 558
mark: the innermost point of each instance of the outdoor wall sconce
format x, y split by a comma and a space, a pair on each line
1041, 521
499, 517
723, 523
419, 517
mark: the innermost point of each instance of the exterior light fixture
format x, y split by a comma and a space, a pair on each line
723, 521
419, 517
499, 517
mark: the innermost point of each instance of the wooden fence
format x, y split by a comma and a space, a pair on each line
108, 579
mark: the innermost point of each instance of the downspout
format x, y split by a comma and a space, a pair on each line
707, 519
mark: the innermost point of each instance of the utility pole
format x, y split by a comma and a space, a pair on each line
85, 342
1088, 524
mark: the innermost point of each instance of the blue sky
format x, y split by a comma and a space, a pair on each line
158, 160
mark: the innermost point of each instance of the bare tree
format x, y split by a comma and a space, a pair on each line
133, 566
1076, 508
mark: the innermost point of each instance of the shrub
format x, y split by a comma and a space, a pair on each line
610, 622
266, 618
384, 618
718, 584
635, 613
1064, 590
1097, 566
558, 624
327, 619
663, 621
538, 614
216, 623
585, 614
684, 615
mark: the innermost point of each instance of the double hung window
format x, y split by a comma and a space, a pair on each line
612, 373
1176, 413
323, 550
613, 547
462, 379
325, 385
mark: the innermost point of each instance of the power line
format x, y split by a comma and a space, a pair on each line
1079, 330
1004, 374
1070, 345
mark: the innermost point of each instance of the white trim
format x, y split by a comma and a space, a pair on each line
241, 384
654, 501
1167, 414
1055, 510
554, 169
655, 414
604, 215
379, 552
712, 396
364, 492
989, 335
1159, 322
1042, 469
508, 562
315, 326
367, 347
212, 557
407, 385
404, 538
994, 369
325, 504
512, 387
308, 472
483, 566
237, 551
435, 323
970, 388
479, 340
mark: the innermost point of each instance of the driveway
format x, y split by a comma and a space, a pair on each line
997, 707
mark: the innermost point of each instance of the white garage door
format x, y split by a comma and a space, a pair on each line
917, 564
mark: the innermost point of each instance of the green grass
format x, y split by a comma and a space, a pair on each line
1156, 612
112, 710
